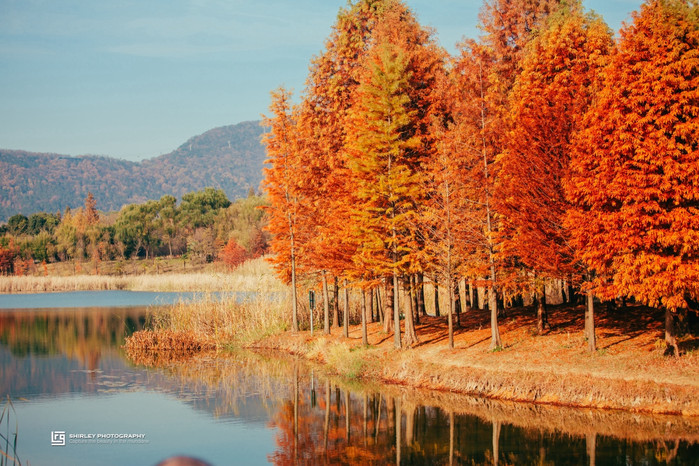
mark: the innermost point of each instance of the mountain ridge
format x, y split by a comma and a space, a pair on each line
227, 157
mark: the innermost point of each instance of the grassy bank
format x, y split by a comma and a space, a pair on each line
253, 275
184, 329
628, 372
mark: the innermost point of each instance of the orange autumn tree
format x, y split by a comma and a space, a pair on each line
388, 140
485, 73
333, 78
635, 183
559, 77
233, 254
284, 178
446, 233
381, 145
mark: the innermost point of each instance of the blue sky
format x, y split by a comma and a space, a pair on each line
135, 79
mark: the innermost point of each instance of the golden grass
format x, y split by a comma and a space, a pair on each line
253, 275
186, 328
226, 321
152, 348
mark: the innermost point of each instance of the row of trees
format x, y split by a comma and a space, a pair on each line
202, 226
545, 150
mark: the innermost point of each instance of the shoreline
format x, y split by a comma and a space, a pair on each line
498, 376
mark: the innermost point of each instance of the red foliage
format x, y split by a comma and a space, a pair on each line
7, 260
233, 254
260, 243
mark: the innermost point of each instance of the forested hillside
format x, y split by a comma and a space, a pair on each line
229, 158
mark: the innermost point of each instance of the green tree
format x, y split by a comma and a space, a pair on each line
199, 208
17, 224
136, 228
167, 220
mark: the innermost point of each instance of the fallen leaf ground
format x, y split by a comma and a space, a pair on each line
630, 344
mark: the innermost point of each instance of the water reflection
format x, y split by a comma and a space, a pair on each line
58, 352
322, 420
60, 360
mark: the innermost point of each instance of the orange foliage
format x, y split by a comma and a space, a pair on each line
551, 94
635, 180
233, 254
505, 165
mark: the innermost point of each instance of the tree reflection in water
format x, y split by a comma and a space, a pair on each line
324, 419
352, 423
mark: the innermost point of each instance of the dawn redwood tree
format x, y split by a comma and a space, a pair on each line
381, 146
478, 141
442, 214
559, 78
485, 73
635, 181
284, 177
333, 78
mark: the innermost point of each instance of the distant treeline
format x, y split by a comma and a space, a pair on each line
229, 158
204, 226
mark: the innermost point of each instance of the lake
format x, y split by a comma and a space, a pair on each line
77, 399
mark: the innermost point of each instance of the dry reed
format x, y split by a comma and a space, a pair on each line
254, 275
226, 321
186, 328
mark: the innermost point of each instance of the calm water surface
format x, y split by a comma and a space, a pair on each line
65, 372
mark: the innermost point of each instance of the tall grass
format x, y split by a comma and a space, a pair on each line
226, 321
8, 436
254, 275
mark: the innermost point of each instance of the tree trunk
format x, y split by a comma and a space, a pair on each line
388, 306
414, 299
294, 302
468, 305
326, 305
436, 295
421, 294
410, 335
450, 314
471, 296
379, 305
371, 304
365, 341
670, 334
541, 312
396, 311
345, 320
336, 304
495, 341
590, 323
457, 302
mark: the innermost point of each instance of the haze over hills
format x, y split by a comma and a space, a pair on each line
229, 158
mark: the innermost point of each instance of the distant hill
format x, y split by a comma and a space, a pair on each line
229, 158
